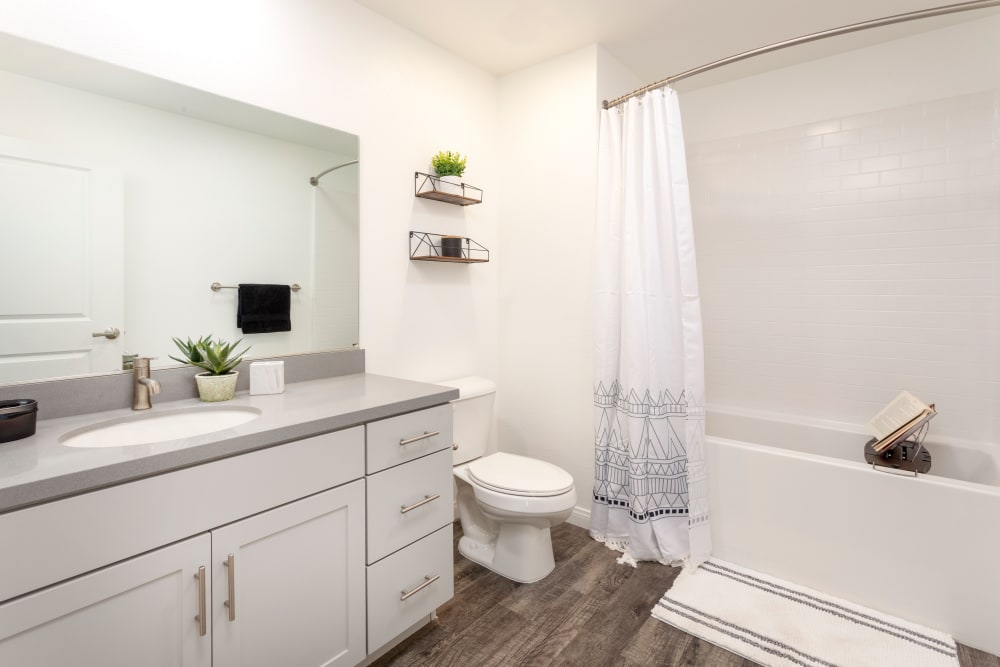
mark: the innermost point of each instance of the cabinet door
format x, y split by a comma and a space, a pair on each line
138, 612
289, 584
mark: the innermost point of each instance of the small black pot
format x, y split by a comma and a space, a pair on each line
17, 419
451, 246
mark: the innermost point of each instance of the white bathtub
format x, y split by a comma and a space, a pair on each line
796, 500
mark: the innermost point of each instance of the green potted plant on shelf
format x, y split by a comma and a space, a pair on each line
449, 167
217, 359
448, 163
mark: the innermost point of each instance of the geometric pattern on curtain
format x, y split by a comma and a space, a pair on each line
642, 462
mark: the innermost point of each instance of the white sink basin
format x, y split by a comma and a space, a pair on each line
159, 426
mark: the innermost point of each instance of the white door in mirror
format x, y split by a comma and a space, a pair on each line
63, 265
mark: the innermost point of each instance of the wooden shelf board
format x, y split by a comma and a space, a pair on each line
437, 195
456, 260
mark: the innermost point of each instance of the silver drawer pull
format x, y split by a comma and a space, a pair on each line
428, 581
418, 438
230, 564
202, 617
403, 509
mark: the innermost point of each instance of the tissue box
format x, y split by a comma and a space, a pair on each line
267, 377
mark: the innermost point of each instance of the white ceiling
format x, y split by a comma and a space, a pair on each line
653, 38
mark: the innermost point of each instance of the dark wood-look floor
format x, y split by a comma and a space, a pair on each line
589, 611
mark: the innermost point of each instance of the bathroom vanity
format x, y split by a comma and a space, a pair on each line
316, 534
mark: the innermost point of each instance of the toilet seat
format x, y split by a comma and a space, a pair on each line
519, 476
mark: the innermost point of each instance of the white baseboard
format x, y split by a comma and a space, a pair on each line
580, 518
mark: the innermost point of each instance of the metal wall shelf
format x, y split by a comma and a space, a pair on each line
428, 247
427, 186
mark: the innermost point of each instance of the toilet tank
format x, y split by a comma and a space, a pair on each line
473, 415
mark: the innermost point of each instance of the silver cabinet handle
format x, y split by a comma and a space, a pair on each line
427, 582
110, 333
230, 564
202, 617
403, 509
417, 438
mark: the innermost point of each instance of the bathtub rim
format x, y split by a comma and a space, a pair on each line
853, 429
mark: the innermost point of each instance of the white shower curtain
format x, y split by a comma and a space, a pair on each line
650, 493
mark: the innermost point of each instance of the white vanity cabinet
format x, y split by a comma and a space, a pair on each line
319, 551
282, 587
297, 564
410, 511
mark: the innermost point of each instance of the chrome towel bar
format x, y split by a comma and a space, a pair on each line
219, 286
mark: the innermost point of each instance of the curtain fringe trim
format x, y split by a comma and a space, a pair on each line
619, 544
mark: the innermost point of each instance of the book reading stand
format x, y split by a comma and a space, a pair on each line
908, 456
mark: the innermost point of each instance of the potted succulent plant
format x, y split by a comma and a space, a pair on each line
449, 166
217, 359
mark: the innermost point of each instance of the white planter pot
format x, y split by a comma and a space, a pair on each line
450, 184
214, 388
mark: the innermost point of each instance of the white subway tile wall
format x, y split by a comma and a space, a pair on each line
843, 261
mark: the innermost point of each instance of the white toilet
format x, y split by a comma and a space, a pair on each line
506, 503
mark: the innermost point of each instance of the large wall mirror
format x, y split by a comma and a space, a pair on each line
123, 198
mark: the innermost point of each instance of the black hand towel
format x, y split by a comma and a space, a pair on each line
264, 308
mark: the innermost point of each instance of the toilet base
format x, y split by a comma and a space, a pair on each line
521, 552
512, 539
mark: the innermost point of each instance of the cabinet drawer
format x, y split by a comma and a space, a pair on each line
427, 564
387, 439
396, 516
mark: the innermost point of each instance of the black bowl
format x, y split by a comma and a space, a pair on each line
17, 419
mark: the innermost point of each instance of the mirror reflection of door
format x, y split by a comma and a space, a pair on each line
61, 263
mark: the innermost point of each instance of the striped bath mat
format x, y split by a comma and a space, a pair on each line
777, 623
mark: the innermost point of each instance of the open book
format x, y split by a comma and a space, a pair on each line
905, 415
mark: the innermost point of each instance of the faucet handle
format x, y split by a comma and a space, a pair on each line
143, 385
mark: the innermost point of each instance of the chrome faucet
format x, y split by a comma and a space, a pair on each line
143, 386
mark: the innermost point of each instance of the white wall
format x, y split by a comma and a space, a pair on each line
549, 162
337, 64
847, 216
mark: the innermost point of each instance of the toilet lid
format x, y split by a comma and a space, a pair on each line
520, 475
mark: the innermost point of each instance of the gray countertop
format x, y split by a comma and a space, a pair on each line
40, 468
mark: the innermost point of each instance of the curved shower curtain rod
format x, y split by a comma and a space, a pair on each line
833, 32
314, 180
